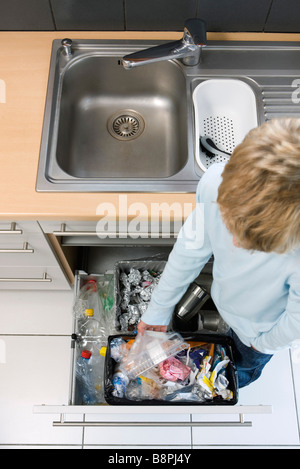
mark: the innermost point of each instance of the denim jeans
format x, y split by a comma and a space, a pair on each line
249, 362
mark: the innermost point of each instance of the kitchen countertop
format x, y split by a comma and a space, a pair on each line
24, 68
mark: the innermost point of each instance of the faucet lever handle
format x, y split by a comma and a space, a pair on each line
196, 29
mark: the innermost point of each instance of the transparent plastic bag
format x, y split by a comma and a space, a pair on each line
149, 349
106, 288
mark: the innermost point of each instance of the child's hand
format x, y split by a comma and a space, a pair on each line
142, 326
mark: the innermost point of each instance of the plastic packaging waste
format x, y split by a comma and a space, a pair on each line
97, 362
106, 290
90, 327
195, 371
90, 375
88, 298
96, 295
119, 382
150, 349
84, 375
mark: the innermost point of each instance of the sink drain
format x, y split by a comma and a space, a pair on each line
126, 125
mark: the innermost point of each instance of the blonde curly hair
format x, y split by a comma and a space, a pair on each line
259, 196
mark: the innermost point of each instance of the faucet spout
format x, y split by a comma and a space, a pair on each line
167, 51
188, 49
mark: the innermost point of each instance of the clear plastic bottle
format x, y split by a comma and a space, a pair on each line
90, 375
84, 375
90, 327
97, 362
88, 298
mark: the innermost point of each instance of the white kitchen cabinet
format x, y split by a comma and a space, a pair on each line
28, 260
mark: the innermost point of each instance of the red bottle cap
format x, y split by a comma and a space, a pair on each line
92, 284
86, 354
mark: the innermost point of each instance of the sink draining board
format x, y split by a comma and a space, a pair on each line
225, 110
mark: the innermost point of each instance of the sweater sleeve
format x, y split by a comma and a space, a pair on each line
286, 331
189, 255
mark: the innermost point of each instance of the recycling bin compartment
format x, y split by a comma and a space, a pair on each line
111, 367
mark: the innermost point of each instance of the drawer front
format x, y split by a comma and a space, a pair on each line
127, 416
124, 230
33, 278
63, 228
17, 228
27, 249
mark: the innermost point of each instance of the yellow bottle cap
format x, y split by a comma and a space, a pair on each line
103, 351
89, 312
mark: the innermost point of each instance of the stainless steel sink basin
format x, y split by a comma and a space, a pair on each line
107, 129
115, 123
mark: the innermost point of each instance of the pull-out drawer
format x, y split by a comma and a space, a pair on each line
28, 260
99, 260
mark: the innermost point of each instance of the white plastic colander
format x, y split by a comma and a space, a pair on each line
225, 110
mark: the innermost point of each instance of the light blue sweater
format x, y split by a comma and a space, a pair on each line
257, 293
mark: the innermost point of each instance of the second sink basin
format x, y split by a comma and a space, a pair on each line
121, 124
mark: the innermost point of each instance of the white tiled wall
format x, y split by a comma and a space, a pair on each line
35, 330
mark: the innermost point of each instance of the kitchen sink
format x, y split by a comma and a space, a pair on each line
107, 129
114, 123
110, 129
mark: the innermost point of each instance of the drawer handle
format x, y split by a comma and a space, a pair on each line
63, 232
18, 251
12, 230
123, 234
240, 423
43, 279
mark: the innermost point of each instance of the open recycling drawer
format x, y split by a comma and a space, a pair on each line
102, 259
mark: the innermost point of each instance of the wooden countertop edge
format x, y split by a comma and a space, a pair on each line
160, 35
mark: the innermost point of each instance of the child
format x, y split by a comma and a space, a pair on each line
250, 209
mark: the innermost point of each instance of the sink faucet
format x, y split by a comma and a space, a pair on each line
188, 49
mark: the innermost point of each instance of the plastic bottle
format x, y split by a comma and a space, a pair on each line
97, 362
90, 327
88, 298
84, 375
119, 383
